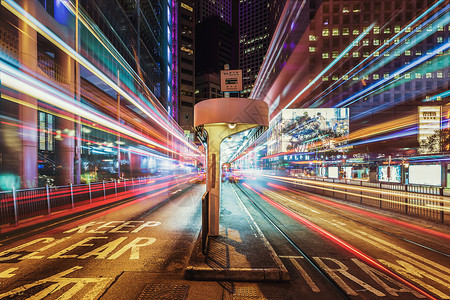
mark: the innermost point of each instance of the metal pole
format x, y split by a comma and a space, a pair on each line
115, 186
104, 192
71, 195
48, 198
90, 193
16, 212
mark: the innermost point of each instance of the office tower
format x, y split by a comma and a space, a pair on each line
219, 8
185, 61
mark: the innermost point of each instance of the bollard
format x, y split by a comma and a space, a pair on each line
90, 193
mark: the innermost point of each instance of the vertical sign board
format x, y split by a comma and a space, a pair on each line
429, 124
231, 80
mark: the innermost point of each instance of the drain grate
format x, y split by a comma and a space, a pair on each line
160, 291
249, 293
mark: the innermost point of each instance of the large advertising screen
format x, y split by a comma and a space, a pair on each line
299, 128
425, 174
395, 174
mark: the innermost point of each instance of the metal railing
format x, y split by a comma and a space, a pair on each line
17, 205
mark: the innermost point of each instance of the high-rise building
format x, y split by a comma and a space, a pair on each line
185, 61
219, 8
112, 68
256, 26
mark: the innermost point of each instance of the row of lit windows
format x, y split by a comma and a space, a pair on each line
335, 54
417, 75
376, 30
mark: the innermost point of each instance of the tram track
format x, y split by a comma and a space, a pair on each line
323, 273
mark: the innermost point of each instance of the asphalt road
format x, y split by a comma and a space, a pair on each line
140, 249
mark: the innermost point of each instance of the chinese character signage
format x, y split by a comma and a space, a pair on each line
231, 80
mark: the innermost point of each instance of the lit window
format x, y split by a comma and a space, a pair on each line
440, 28
408, 75
355, 31
355, 43
386, 75
324, 78
345, 9
366, 54
366, 42
312, 38
366, 77
429, 75
408, 29
376, 42
408, 53
430, 28
325, 32
439, 39
335, 31
386, 54
418, 75
355, 78
345, 31
335, 77
407, 41
418, 52
325, 55
335, 54
376, 29
185, 6
346, 55
312, 49
397, 28
439, 75
376, 76
345, 77
386, 41
355, 54
396, 41
387, 30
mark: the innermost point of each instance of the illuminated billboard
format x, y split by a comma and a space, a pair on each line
301, 129
429, 127
425, 174
394, 176
333, 172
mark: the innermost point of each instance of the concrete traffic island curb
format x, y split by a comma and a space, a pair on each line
236, 274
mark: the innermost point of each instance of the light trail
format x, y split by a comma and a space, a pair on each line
365, 257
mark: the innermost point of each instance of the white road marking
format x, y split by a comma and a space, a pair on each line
79, 244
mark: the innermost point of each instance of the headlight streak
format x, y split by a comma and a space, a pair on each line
419, 61
336, 60
39, 27
328, 186
366, 258
364, 212
45, 93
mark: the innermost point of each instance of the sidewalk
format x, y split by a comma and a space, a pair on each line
240, 252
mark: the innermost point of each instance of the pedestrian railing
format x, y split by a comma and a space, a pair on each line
422, 201
17, 205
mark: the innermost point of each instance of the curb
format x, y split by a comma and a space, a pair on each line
236, 274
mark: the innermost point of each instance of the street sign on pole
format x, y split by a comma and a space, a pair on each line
231, 80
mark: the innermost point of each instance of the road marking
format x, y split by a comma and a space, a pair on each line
343, 270
376, 274
8, 273
103, 251
32, 255
134, 246
100, 284
289, 256
305, 276
410, 265
44, 240
115, 228
79, 244
266, 191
